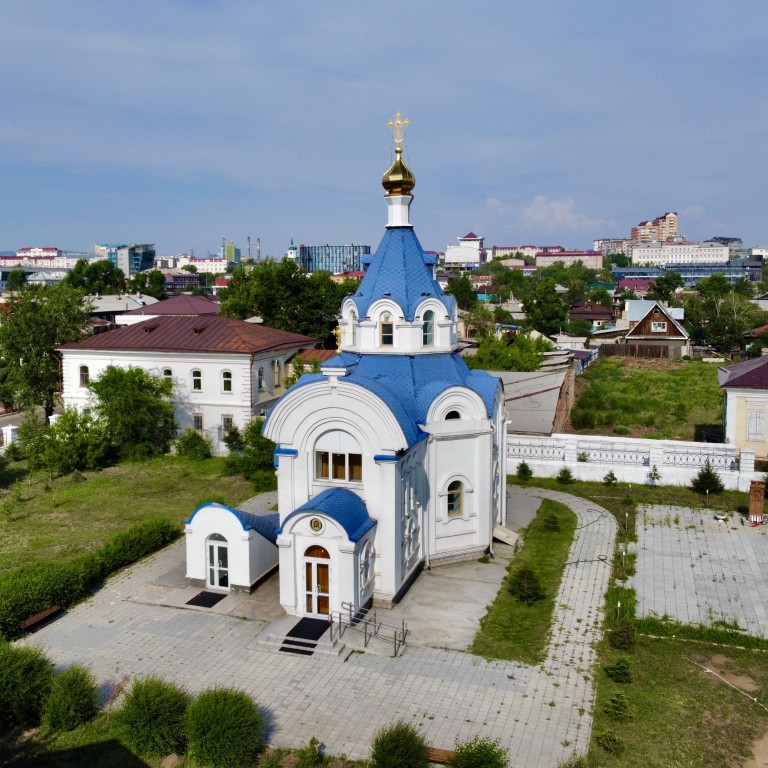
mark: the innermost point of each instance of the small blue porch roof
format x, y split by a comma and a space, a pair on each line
341, 505
399, 270
264, 525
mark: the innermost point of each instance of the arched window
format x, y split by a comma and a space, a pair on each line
226, 381
84, 376
452, 415
428, 329
317, 551
197, 381
455, 499
353, 329
167, 373
387, 330
261, 379
338, 457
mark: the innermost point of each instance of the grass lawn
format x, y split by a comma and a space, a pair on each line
511, 629
665, 399
42, 519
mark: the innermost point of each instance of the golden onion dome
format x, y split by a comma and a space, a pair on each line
398, 180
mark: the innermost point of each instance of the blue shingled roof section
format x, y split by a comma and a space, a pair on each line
264, 525
409, 384
400, 269
341, 505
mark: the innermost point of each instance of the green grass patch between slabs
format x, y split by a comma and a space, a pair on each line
515, 630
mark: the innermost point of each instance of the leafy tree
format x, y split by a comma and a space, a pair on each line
665, 286
461, 289
707, 480
618, 259
151, 283
96, 277
601, 296
137, 410
544, 309
502, 316
190, 268
76, 441
580, 327
40, 319
251, 455
744, 287
286, 297
479, 321
524, 354
17, 279
714, 287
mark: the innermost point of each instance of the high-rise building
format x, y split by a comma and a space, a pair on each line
662, 228
131, 258
332, 258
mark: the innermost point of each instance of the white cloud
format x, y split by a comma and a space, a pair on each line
548, 214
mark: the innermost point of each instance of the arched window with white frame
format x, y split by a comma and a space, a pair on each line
387, 335
455, 499
226, 381
428, 329
353, 328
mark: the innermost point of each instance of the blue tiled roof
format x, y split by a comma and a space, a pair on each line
264, 525
409, 384
399, 270
341, 505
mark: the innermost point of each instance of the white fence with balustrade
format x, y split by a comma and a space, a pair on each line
676, 462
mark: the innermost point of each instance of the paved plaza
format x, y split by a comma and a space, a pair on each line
699, 570
138, 624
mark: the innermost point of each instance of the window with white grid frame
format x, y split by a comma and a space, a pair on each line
197, 422
658, 326
756, 425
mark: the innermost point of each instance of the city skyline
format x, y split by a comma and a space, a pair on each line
182, 122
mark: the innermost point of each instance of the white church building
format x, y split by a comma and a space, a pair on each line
389, 460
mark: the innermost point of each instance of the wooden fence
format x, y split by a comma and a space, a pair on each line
650, 351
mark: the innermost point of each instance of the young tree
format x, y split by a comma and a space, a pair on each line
665, 286
137, 410
544, 309
707, 480
461, 289
40, 319
96, 277
151, 283
524, 354
17, 279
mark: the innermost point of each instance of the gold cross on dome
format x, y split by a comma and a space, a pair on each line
397, 125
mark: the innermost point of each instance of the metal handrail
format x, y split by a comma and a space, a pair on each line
367, 619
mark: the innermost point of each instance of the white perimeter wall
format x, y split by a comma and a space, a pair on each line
591, 458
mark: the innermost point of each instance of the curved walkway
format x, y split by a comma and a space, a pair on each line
541, 713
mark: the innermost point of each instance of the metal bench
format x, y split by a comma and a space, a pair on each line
39, 618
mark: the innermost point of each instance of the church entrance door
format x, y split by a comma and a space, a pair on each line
317, 570
218, 562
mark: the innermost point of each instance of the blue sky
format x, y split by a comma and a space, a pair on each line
181, 121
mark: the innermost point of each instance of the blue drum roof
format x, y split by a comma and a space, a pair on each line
341, 505
264, 525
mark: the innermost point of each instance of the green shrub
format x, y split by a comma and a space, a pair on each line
610, 479
524, 585
611, 743
707, 480
621, 429
311, 756
73, 700
623, 637
617, 708
400, 745
264, 480
76, 441
225, 729
552, 523
565, 476
479, 752
27, 590
152, 718
524, 472
620, 671
192, 445
582, 418
25, 683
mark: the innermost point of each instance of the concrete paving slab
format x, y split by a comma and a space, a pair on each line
521, 508
540, 713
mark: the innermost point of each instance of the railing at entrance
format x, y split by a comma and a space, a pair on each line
366, 620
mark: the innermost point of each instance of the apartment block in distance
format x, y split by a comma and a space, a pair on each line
332, 258
662, 228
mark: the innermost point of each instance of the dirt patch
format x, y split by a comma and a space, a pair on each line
760, 753
720, 665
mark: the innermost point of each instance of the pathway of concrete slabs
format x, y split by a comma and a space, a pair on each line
699, 570
542, 714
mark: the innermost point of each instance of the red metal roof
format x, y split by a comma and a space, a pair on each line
179, 305
200, 333
470, 236
750, 374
